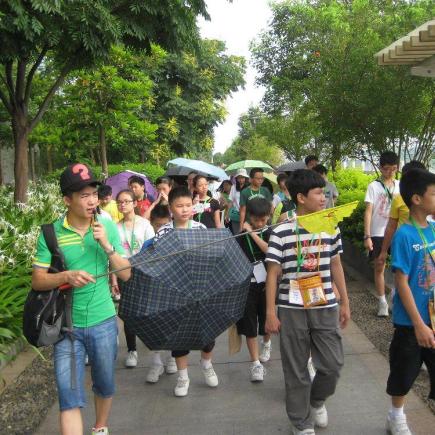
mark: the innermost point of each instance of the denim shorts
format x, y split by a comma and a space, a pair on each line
99, 342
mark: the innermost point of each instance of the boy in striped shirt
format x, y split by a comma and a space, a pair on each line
308, 313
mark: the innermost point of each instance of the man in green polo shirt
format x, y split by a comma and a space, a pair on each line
89, 244
254, 190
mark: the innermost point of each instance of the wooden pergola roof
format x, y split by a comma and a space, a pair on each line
416, 49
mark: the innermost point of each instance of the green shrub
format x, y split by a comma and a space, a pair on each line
19, 230
352, 185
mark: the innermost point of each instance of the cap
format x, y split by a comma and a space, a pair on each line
75, 177
241, 173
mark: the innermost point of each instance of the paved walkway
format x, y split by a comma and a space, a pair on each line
239, 407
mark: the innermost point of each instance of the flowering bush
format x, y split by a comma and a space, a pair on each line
19, 230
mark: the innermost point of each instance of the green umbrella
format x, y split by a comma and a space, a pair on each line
248, 164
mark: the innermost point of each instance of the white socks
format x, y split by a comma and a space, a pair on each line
256, 363
382, 299
206, 363
396, 412
182, 374
156, 360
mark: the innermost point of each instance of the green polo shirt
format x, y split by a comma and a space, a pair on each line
247, 194
92, 304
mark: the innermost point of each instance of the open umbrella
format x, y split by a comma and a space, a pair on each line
119, 182
182, 166
291, 166
248, 164
185, 301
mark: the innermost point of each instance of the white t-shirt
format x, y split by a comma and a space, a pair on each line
170, 226
235, 197
105, 215
381, 199
142, 231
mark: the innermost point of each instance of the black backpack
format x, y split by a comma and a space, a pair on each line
47, 314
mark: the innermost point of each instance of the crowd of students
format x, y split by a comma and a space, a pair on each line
297, 288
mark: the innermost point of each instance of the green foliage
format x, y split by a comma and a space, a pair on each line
352, 185
19, 229
316, 62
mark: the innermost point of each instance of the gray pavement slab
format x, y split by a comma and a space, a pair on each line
238, 406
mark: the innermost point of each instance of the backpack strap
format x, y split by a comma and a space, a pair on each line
58, 261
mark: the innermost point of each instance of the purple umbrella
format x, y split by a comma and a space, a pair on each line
119, 182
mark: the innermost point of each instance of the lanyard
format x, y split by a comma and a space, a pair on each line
300, 255
424, 240
388, 191
251, 248
133, 237
206, 201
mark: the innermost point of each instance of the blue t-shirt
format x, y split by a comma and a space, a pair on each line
413, 259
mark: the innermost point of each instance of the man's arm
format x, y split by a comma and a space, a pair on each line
368, 244
424, 334
338, 278
388, 236
273, 324
242, 215
257, 239
43, 281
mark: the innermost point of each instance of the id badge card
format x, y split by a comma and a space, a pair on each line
259, 272
294, 294
311, 289
198, 208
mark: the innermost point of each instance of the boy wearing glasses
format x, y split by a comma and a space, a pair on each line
255, 190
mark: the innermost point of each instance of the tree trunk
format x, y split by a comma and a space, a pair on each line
94, 161
21, 164
49, 160
1, 168
32, 164
103, 152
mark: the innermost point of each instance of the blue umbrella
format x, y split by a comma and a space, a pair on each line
198, 166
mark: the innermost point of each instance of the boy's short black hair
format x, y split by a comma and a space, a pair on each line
104, 190
160, 211
302, 181
413, 164
178, 192
281, 177
258, 207
310, 158
253, 171
320, 169
165, 180
415, 182
136, 179
388, 158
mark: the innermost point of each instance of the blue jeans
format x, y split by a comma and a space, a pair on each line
99, 342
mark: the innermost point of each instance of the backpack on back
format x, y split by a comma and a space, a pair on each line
46, 315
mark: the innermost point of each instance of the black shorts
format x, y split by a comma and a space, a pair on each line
254, 318
377, 246
406, 359
180, 353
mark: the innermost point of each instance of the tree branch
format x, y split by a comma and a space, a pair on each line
19, 82
5, 102
44, 106
9, 81
32, 73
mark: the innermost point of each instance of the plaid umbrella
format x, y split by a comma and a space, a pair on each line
185, 301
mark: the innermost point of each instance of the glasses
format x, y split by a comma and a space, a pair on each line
127, 201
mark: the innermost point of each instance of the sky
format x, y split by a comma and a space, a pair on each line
237, 24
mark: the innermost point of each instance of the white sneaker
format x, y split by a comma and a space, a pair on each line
303, 432
320, 416
131, 359
311, 369
100, 431
257, 373
210, 376
154, 373
398, 425
383, 309
182, 387
171, 366
265, 351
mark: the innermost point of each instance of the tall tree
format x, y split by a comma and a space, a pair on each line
317, 57
76, 34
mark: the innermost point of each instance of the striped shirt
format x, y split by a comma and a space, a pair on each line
283, 249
